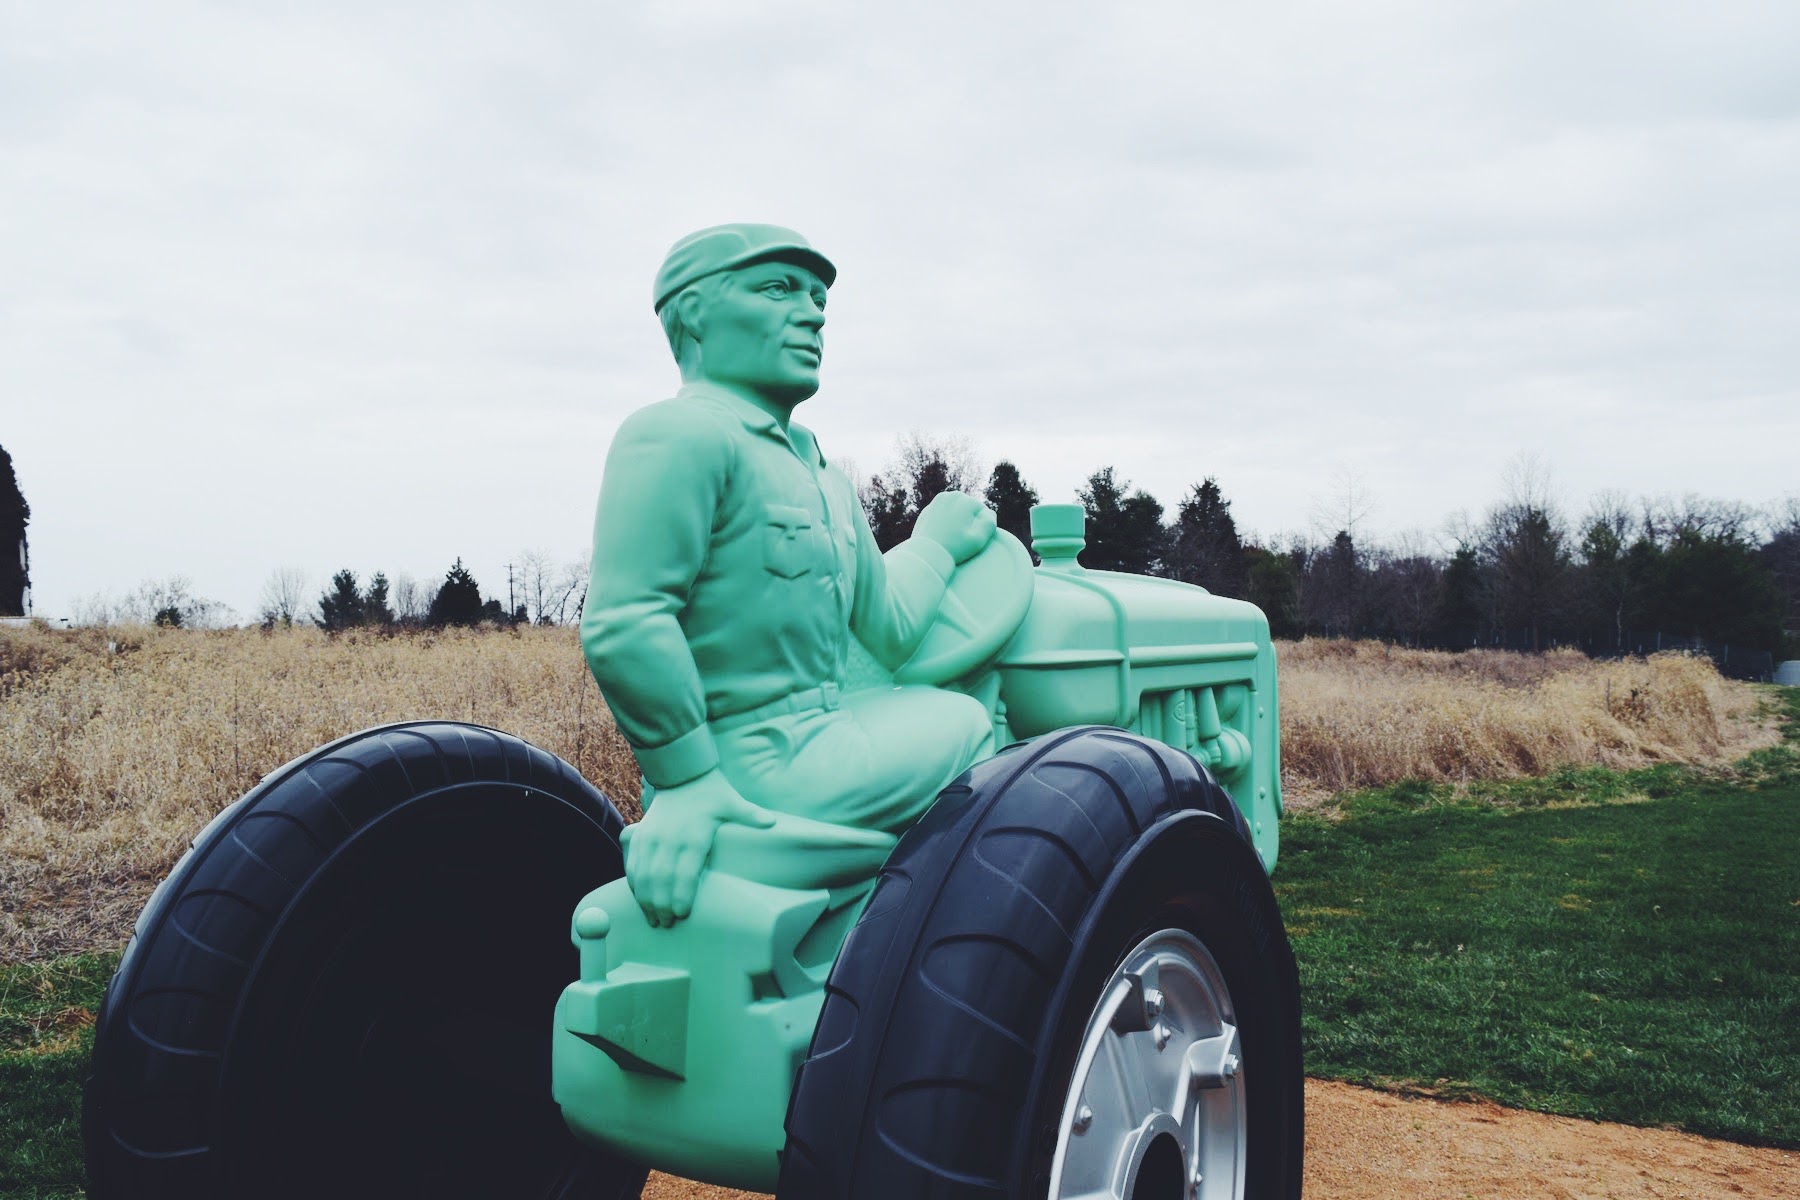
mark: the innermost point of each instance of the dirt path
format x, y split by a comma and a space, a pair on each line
1364, 1145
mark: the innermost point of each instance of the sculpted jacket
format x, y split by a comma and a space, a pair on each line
731, 566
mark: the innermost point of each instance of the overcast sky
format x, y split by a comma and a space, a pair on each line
367, 285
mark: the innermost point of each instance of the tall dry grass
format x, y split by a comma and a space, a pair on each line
1363, 714
116, 746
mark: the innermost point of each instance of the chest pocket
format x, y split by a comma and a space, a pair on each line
792, 544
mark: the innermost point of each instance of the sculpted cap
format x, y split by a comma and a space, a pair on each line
723, 247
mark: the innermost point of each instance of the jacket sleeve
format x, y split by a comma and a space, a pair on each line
665, 477
897, 594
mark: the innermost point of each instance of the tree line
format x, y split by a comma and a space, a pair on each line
1691, 567
540, 592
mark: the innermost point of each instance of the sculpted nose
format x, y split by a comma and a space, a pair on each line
810, 314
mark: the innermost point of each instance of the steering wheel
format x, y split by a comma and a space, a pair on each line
982, 608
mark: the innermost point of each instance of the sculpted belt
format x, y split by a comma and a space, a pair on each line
823, 698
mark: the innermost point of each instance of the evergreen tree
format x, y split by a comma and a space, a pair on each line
1526, 564
931, 481
1603, 582
891, 518
1334, 586
1124, 532
924, 468
1273, 585
1458, 609
1715, 588
15, 558
1204, 547
376, 610
1011, 499
1781, 555
458, 600
1400, 593
1645, 569
342, 606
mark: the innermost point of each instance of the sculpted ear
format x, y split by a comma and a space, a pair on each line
690, 305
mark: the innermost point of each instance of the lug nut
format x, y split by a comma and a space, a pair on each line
1084, 1116
1153, 1004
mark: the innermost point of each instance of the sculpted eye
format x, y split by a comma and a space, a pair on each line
775, 288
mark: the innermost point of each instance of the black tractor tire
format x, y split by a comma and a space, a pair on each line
943, 1057
345, 987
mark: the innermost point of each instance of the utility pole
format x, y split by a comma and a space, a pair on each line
511, 606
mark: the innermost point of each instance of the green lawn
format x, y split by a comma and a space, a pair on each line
1617, 946
1624, 946
46, 1034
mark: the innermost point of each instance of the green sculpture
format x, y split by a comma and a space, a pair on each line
733, 569
797, 699
952, 879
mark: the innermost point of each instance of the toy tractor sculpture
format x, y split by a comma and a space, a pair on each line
1065, 977
1070, 979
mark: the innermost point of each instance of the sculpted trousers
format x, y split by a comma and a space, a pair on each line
877, 761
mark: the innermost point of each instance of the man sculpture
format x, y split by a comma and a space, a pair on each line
732, 567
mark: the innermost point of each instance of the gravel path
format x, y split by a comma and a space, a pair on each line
1365, 1145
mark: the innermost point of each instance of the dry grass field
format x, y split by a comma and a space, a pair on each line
116, 746
1364, 714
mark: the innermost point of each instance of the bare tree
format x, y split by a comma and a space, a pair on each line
101, 609
409, 601
1666, 516
1610, 509
284, 595
551, 593
171, 601
920, 455
569, 595
1527, 479
1406, 583
1345, 507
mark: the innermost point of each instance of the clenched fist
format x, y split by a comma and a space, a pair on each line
958, 522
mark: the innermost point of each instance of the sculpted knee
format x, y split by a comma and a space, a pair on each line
978, 724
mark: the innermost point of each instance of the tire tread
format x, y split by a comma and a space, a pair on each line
209, 922
899, 1093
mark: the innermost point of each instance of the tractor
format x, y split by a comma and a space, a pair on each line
408, 963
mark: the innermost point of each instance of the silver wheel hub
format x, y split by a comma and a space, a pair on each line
1155, 1109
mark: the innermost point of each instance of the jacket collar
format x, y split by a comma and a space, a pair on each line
798, 437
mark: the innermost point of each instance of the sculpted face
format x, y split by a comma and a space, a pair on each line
759, 331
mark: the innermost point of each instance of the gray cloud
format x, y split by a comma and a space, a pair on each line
352, 286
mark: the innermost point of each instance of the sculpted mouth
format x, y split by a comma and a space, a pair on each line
816, 351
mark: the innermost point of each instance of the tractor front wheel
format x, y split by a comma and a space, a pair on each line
1071, 982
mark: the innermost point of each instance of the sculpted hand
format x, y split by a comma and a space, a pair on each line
666, 852
958, 522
